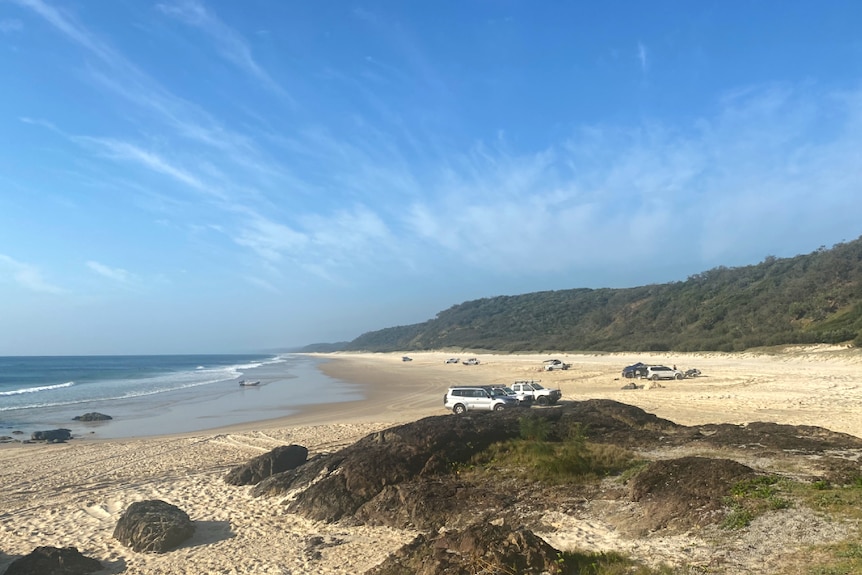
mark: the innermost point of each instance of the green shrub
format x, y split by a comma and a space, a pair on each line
752, 497
534, 427
571, 460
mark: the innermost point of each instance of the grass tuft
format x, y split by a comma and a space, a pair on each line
571, 460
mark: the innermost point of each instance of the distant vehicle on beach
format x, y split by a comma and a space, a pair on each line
555, 364
656, 372
405, 358
635, 370
471, 361
461, 399
452, 360
244, 383
497, 390
539, 394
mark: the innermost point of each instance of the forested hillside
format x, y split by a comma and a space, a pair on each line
812, 298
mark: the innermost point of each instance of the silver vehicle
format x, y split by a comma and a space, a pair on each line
555, 364
539, 394
656, 372
461, 399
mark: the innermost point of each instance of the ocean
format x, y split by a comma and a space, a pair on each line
158, 394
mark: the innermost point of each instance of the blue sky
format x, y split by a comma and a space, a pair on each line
218, 176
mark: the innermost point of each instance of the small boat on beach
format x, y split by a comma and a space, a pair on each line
245, 383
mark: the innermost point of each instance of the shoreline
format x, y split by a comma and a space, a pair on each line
734, 388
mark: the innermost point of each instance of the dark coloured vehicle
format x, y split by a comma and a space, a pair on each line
635, 370
502, 390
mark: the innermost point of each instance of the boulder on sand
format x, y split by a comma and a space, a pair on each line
92, 416
481, 548
52, 435
153, 526
282, 458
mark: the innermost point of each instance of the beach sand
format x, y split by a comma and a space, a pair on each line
72, 494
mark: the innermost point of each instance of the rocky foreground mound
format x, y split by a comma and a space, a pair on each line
420, 476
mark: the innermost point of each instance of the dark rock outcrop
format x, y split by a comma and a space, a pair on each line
92, 416
337, 485
685, 492
53, 561
761, 435
402, 476
481, 548
153, 526
282, 458
607, 421
52, 435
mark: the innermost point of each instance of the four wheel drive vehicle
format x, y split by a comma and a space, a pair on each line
635, 370
461, 399
405, 358
554, 364
527, 400
471, 361
541, 395
656, 372
452, 360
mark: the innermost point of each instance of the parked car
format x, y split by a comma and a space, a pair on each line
635, 370
539, 394
461, 399
452, 360
656, 372
525, 401
471, 361
405, 358
555, 364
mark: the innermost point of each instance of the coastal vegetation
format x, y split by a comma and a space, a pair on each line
570, 460
806, 299
545, 457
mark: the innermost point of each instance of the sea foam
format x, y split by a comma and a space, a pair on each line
37, 389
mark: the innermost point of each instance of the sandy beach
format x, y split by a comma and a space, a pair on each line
72, 494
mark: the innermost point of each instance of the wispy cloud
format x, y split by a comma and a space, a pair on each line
229, 43
27, 276
116, 274
385, 188
735, 183
130, 152
124, 78
68, 25
271, 240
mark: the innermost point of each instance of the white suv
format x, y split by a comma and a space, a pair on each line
656, 372
471, 398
